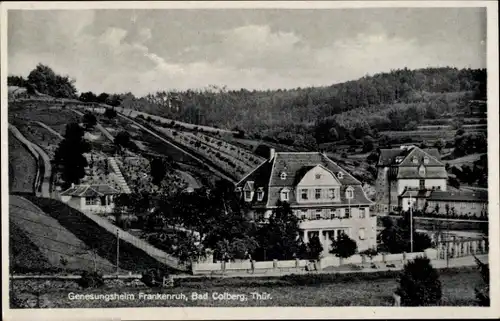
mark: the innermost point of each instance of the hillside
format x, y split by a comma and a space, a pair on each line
305, 116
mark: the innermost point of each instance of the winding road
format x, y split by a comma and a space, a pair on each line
43, 182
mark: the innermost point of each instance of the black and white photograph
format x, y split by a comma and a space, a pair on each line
326, 155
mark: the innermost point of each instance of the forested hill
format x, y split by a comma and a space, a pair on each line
299, 112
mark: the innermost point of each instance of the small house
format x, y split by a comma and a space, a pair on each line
90, 198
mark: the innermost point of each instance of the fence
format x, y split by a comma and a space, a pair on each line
252, 267
457, 247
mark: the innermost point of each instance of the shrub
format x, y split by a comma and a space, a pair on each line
343, 246
483, 290
91, 280
419, 284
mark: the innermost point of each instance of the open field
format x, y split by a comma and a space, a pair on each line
56, 119
374, 289
51, 246
22, 167
469, 159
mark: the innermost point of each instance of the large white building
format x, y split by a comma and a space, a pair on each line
409, 168
326, 198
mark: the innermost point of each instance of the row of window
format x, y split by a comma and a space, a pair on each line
333, 234
331, 213
95, 200
319, 194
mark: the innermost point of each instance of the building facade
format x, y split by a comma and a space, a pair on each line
90, 198
407, 168
326, 198
462, 203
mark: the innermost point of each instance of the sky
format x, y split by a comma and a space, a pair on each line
142, 51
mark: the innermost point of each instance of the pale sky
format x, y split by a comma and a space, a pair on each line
143, 51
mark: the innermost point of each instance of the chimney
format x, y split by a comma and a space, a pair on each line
272, 153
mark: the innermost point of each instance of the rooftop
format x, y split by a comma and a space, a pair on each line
90, 190
460, 196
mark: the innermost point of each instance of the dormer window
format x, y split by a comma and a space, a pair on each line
285, 193
340, 175
248, 196
415, 160
426, 160
260, 194
399, 159
421, 171
238, 191
283, 176
349, 193
318, 176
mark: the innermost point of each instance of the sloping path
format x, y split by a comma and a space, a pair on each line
49, 129
214, 170
152, 251
40, 155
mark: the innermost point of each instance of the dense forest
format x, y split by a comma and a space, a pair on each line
397, 100
305, 117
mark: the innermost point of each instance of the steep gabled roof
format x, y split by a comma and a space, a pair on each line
388, 156
297, 164
93, 190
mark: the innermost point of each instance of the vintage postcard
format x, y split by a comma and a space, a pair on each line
248, 160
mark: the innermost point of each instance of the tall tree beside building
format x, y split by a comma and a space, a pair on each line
68, 158
343, 246
279, 238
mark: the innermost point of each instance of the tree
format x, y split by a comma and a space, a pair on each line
158, 170
314, 248
395, 236
279, 238
122, 139
343, 246
419, 284
88, 97
439, 144
110, 113
368, 144
89, 120
483, 290
44, 80
68, 158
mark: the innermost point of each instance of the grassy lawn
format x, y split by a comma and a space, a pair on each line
96, 237
53, 241
328, 290
22, 166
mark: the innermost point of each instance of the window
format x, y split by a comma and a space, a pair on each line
333, 213
303, 214
426, 160
362, 213
415, 160
318, 176
248, 195
439, 188
361, 233
90, 201
340, 232
462, 205
349, 194
421, 170
318, 214
283, 176
347, 213
317, 194
331, 193
340, 175
238, 191
260, 195
303, 193
103, 201
422, 184
284, 195
473, 205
